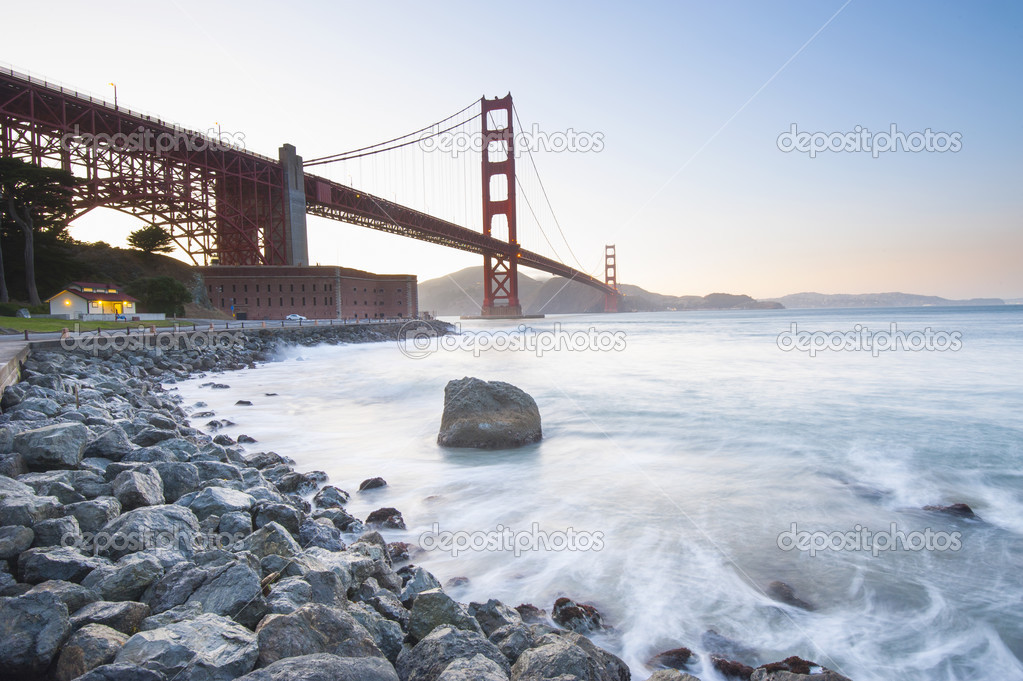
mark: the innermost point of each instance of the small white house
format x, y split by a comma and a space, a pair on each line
82, 300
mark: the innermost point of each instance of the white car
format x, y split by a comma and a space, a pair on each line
295, 318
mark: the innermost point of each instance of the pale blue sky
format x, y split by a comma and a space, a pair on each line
690, 185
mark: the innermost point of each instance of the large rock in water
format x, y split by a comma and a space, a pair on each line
487, 415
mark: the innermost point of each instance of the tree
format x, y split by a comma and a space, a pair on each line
151, 239
34, 198
161, 294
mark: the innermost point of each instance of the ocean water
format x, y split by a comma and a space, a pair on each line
688, 462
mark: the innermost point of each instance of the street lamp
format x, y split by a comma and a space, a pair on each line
115, 93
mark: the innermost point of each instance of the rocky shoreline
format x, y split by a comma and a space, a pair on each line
135, 546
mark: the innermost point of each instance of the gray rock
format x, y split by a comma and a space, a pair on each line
124, 616
325, 667
179, 613
420, 581
149, 436
67, 564
571, 655
207, 648
271, 539
218, 501
321, 532
127, 579
387, 634
475, 668
74, 596
57, 532
512, 640
170, 527
175, 587
330, 497
487, 415
138, 488
431, 656
179, 478
14, 539
43, 405
11, 464
33, 627
89, 647
19, 504
94, 514
111, 444
288, 517
56, 446
312, 629
493, 615
236, 522
233, 591
372, 483
434, 608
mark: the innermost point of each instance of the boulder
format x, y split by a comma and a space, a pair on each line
271, 539
475, 668
434, 608
14, 539
33, 627
111, 444
57, 446
671, 675
89, 647
372, 483
124, 616
94, 514
493, 615
330, 497
431, 656
312, 629
179, 478
122, 672
782, 592
325, 667
571, 655
169, 527
218, 501
487, 415
233, 591
207, 648
386, 517
140, 487
576, 617
127, 579
67, 564
57, 532
74, 596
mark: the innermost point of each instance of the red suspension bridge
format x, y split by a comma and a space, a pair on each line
223, 204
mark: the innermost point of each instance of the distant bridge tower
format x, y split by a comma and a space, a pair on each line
500, 270
611, 279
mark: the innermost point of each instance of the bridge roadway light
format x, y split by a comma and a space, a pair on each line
115, 93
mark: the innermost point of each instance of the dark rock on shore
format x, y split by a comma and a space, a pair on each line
488, 415
782, 592
577, 617
372, 483
676, 658
958, 510
386, 517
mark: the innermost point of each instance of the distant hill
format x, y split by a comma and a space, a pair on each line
461, 293
797, 300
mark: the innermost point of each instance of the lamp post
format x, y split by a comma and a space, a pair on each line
115, 93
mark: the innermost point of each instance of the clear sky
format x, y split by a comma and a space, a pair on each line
689, 97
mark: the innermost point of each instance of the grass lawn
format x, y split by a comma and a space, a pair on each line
8, 324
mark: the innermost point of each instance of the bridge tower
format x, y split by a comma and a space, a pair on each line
610, 278
500, 270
